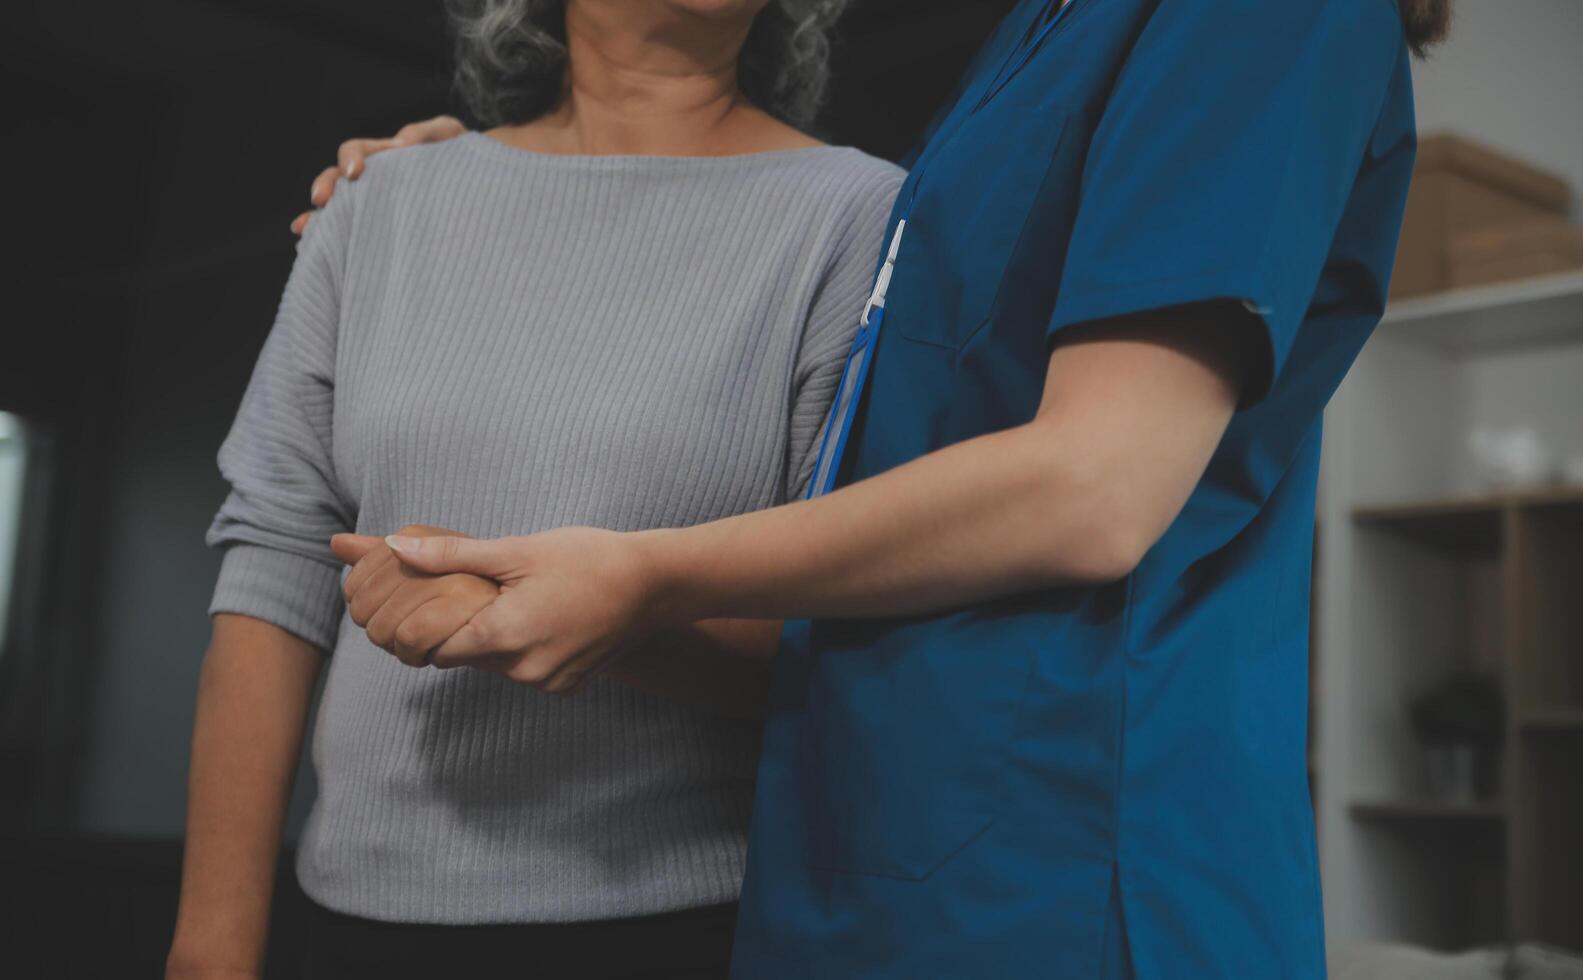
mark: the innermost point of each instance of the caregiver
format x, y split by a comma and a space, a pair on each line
1045, 714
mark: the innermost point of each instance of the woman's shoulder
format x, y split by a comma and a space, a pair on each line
864, 170
845, 162
401, 183
403, 170
845, 176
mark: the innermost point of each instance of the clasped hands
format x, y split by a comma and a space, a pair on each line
550, 609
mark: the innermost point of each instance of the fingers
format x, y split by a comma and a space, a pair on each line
352, 548
387, 623
353, 154
435, 130
465, 647
429, 531
439, 555
371, 582
414, 133
498, 641
434, 621
319, 193
323, 186
382, 593
494, 640
484, 638
425, 628
363, 569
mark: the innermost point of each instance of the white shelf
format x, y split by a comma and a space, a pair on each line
1524, 313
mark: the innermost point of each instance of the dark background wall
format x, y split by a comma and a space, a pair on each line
155, 152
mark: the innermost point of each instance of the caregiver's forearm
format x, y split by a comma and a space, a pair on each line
976, 520
719, 665
1132, 413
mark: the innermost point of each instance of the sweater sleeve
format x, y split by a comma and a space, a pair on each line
833, 320
284, 502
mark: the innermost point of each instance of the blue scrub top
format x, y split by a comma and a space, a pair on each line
1110, 781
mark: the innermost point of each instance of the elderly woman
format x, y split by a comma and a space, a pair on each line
627, 305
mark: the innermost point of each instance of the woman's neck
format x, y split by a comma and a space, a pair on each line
652, 87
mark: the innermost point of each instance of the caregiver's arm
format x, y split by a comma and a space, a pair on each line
1132, 411
253, 696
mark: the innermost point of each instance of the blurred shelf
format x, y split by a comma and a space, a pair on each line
1425, 811
1523, 313
1458, 506
1451, 525
1471, 524
1558, 720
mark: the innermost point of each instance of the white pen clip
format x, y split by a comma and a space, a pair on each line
876, 299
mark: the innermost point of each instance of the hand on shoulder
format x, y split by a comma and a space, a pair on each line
354, 154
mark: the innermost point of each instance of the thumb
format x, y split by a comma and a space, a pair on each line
351, 548
490, 557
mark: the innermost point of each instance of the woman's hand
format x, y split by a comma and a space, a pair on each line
570, 601
404, 611
350, 158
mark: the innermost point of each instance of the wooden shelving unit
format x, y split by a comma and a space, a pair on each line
1472, 526
1468, 508
1534, 540
1421, 575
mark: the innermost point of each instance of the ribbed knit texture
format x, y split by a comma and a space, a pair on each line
503, 342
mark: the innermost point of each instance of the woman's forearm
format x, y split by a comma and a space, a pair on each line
253, 697
719, 665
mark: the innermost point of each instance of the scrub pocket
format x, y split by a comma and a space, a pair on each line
911, 728
974, 201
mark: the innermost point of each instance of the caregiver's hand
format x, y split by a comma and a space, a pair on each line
407, 612
570, 601
354, 153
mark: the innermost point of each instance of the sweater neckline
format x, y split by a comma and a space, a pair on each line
491, 147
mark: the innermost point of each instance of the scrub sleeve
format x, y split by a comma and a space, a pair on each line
1224, 178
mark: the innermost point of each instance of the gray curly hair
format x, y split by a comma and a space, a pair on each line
511, 57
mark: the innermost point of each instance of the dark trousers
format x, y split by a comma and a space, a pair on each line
690, 945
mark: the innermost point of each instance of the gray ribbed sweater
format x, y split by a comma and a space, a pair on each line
503, 342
